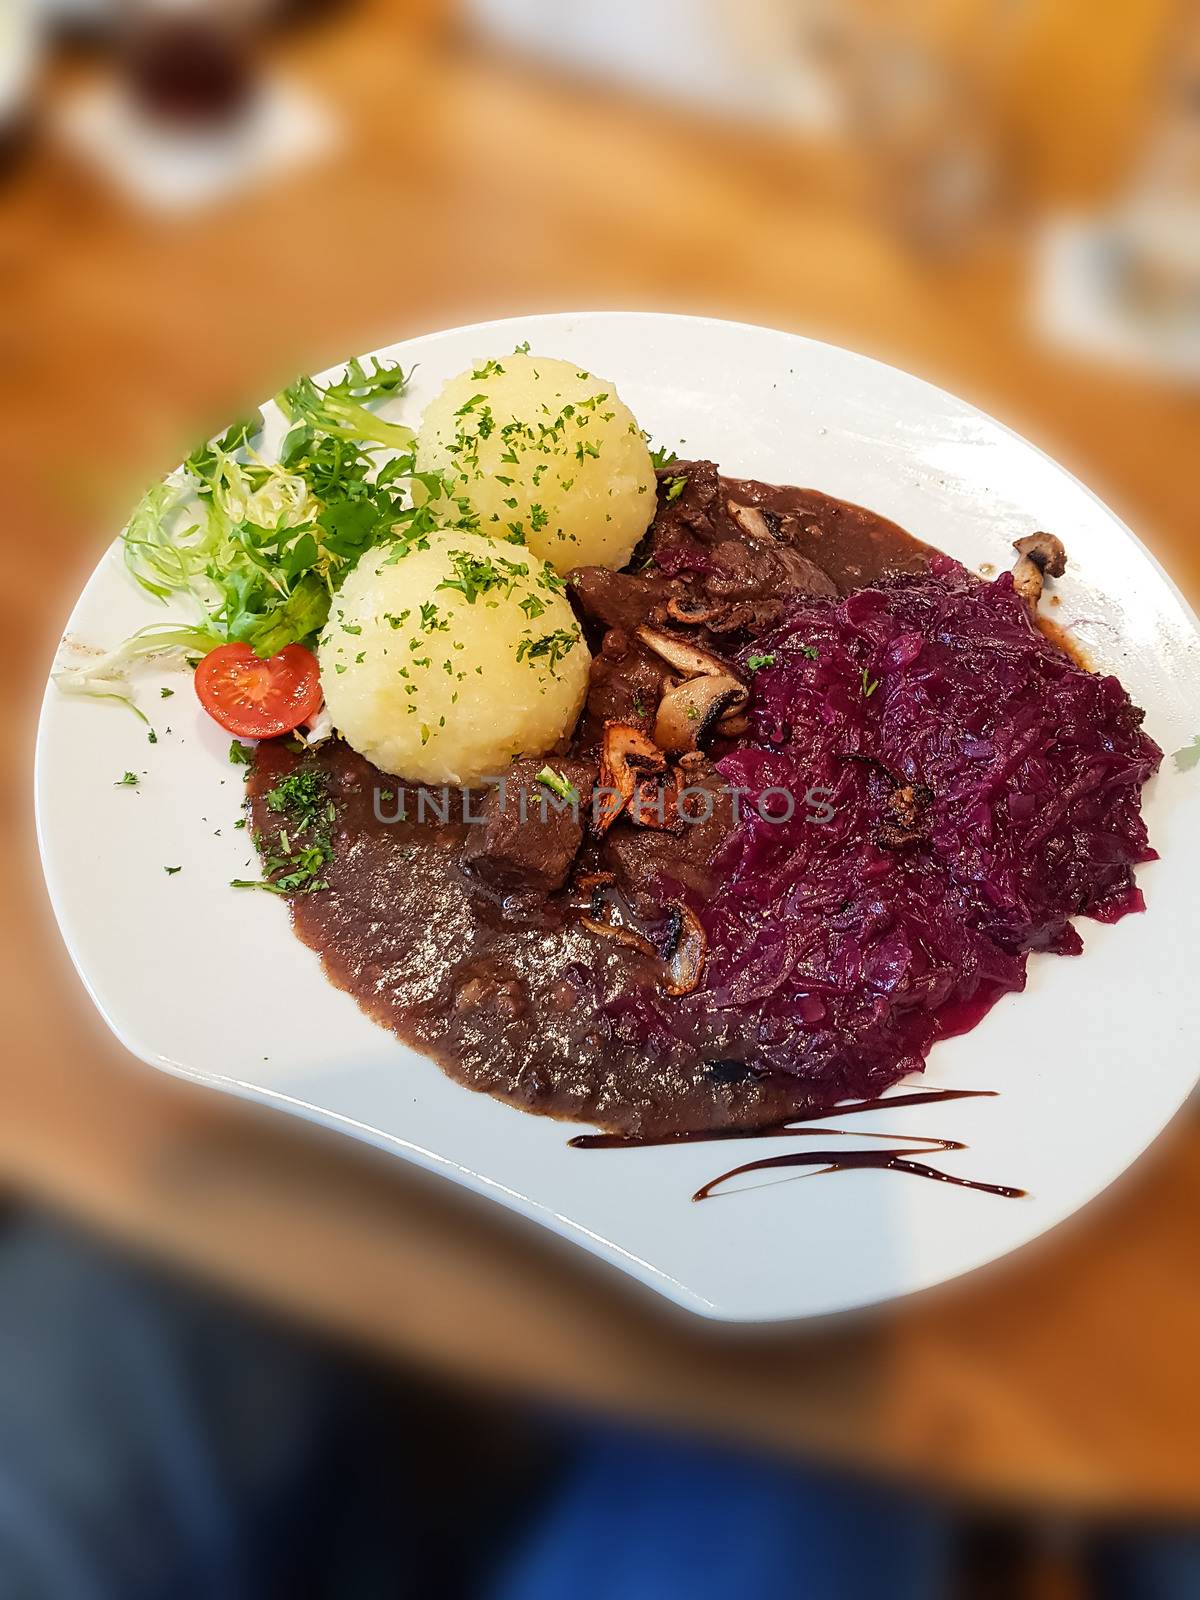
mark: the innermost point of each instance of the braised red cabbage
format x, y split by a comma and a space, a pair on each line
960, 790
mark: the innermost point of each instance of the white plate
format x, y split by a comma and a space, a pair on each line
1091, 1062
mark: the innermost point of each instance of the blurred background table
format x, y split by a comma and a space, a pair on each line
469, 184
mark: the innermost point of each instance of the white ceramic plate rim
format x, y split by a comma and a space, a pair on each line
565, 1203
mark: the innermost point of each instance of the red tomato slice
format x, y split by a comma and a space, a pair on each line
259, 699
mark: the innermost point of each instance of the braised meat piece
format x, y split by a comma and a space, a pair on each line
625, 685
618, 599
850, 545
753, 583
650, 865
760, 563
735, 549
684, 527
528, 835
710, 561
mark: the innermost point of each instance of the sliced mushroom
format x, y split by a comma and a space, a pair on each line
688, 713
708, 693
693, 613
683, 949
689, 947
1028, 580
686, 657
611, 930
1046, 549
593, 886
655, 804
749, 519
625, 754
594, 880
1040, 555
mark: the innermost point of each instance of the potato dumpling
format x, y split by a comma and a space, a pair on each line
440, 664
543, 452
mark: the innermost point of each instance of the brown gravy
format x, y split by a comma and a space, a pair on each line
853, 545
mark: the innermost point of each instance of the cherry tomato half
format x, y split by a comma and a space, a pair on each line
259, 699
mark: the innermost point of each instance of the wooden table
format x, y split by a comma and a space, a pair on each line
469, 188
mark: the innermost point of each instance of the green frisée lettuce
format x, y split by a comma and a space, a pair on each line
104, 675
255, 548
339, 409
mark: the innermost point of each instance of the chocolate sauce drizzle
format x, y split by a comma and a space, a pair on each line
826, 1161
847, 1160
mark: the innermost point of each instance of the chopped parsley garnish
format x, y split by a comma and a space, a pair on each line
869, 684
557, 784
550, 649
127, 782
165, 693
755, 663
304, 793
675, 486
152, 736
171, 871
476, 575
662, 456
305, 845
240, 755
